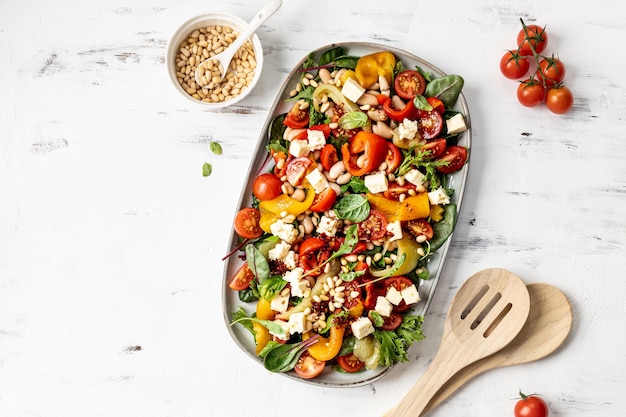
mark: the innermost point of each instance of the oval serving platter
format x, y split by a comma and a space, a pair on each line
230, 300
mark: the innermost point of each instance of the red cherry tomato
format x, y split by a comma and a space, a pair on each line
392, 322
394, 158
308, 367
374, 227
296, 118
531, 406
312, 252
514, 66
429, 125
409, 83
247, 223
399, 283
530, 93
297, 169
559, 99
395, 190
456, 156
324, 200
267, 187
350, 363
420, 227
551, 71
436, 104
372, 292
537, 36
328, 156
242, 278
436, 147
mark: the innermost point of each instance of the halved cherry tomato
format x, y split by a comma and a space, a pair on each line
312, 252
374, 227
280, 156
324, 200
436, 147
328, 156
395, 190
394, 158
372, 292
409, 83
324, 128
399, 283
429, 125
392, 322
455, 156
296, 118
242, 278
308, 367
436, 104
247, 223
297, 169
350, 363
420, 227
267, 186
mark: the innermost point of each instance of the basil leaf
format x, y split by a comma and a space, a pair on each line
272, 286
446, 88
421, 103
257, 263
443, 228
216, 148
353, 119
348, 244
207, 169
356, 184
353, 207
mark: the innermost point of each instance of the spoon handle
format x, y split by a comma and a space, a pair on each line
259, 18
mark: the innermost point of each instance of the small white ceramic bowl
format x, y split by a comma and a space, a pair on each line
203, 21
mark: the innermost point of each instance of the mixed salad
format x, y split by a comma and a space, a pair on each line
350, 206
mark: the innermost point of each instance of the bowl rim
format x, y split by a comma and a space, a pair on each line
203, 20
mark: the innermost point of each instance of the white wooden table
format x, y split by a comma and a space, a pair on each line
111, 239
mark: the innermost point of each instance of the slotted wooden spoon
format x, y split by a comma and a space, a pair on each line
548, 324
485, 315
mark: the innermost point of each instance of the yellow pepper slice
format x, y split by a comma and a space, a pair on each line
261, 334
413, 207
369, 67
334, 94
407, 246
271, 209
436, 213
327, 348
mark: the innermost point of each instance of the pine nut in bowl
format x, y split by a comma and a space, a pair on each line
201, 38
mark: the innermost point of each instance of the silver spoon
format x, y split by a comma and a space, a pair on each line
224, 58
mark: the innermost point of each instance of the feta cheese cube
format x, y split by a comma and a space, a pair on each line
297, 323
362, 327
316, 139
317, 180
352, 90
407, 129
415, 177
376, 183
279, 251
290, 260
410, 295
328, 226
285, 335
383, 306
300, 288
393, 296
294, 275
456, 124
283, 230
280, 303
299, 147
395, 228
439, 197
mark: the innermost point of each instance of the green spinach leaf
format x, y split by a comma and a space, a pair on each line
446, 88
443, 228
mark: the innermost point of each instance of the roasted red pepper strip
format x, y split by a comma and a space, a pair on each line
408, 112
372, 146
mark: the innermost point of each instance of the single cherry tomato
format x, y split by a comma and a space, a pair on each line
372, 292
297, 169
328, 156
429, 125
409, 83
324, 128
312, 252
350, 363
267, 187
530, 406
391, 322
535, 35
296, 118
247, 223
394, 158
530, 93
456, 156
420, 227
374, 227
242, 278
324, 200
399, 283
395, 190
551, 71
308, 367
436, 147
436, 104
514, 66
559, 99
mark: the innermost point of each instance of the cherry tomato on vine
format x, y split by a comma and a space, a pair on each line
513, 65
530, 92
530, 406
559, 99
551, 71
535, 35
